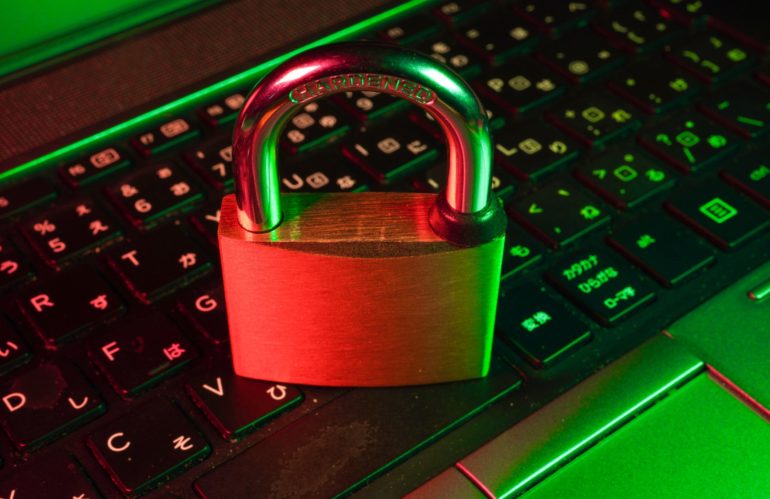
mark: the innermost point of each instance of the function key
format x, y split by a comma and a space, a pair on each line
66, 303
654, 86
710, 56
167, 135
205, 308
447, 50
154, 192
637, 28
150, 444
323, 172
751, 174
19, 197
596, 118
720, 214
366, 106
434, 180
625, 177
54, 475
410, 29
236, 405
667, 250
222, 111
316, 124
43, 403
214, 161
458, 11
689, 141
743, 107
520, 87
137, 354
581, 56
543, 330
498, 36
521, 251
95, 166
69, 230
559, 212
13, 350
158, 262
13, 266
533, 149
602, 284
555, 16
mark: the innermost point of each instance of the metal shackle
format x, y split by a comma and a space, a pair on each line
466, 212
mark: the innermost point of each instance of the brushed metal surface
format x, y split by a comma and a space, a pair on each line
356, 290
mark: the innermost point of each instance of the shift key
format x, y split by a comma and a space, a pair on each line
362, 433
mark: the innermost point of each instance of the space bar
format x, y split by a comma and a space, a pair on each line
353, 439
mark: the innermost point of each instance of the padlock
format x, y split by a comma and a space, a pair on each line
361, 289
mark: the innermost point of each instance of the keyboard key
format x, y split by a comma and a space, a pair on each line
410, 29
751, 174
444, 48
602, 284
316, 124
45, 402
520, 87
223, 110
497, 36
711, 56
532, 150
367, 106
434, 180
69, 230
459, 11
393, 152
654, 86
637, 28
326, 171
559, 212
206, 220
24, 195
205, 308
95, 166
689, 141
236, 405
556, 16
596, 118
521, 251
663, 247
625, 176
152, 443
157, 262
154, 192
687, 12
136, 354
742, 106
53, 475
13, 350
167, 135
13, 266
60, 306
214, 161
541, 329
582, 56
720, 214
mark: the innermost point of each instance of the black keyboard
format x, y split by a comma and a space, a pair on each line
630, 157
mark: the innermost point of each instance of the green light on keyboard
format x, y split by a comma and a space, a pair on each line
719, 211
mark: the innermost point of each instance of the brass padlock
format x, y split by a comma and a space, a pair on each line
364, 289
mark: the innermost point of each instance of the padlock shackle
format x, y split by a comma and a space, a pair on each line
466, 210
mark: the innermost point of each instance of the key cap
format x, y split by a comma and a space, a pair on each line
135, 355
596, 118
367, 106
404, 418
637, 28
45, 402
236, 405
742, 107
520, 87
222, 111
662, 247
687, 12
559, 212
717, 212
95, 166
751, 174
603, 285
540, 328
150, 444
447, 50
532, 150
555, 17
582, 56
204, 306
206, 220
711, 56
323, 172
393, 152
689, 141
60, 306
459, 11
214, 161
521, 251
19, 197
66, 231
654, 86
165, 136
625, 176
316, 124
13, 266
497, 36
53, 475
156, 263
152, 193
410, 29
434, 180
13, 350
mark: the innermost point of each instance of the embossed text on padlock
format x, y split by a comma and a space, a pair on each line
364, 289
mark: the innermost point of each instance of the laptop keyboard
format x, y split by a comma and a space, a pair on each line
629, 157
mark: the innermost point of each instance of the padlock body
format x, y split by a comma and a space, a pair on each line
357, 290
